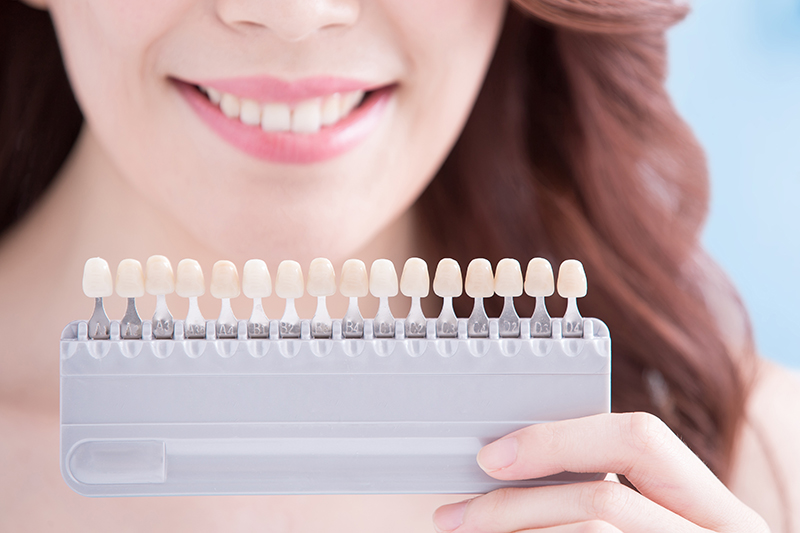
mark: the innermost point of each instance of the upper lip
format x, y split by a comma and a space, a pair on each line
270, 89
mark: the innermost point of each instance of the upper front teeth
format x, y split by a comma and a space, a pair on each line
306, 116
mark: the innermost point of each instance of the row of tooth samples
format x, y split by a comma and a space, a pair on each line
507, 281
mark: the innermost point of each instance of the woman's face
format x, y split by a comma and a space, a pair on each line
237, 117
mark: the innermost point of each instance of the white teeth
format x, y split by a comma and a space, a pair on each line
447, 280
230, 105
130, 279
321, 278
224, 280
276, 117
307, 116
571, 279
480, 280
383, 278
354, 282
250, 113
289, 280
539, 278
159, 278
214, 95
349, 102
330, 109
508, 278
415, 281
256, 281
97, 282
189, 280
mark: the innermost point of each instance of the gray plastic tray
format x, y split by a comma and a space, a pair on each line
314, 416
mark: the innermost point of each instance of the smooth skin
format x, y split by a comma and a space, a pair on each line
147, 174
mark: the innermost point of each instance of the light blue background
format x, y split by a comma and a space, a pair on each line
735, 76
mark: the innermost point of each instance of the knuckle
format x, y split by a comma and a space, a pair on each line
606, 500
648, 434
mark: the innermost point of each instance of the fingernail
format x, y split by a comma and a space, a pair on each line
449, 517
499, 454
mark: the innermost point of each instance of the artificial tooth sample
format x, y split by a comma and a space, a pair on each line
354, 285
508, 284
539, 284
225, 285
383, 285
289, 285
130, 285
257, 284
572, 285
160, 281
97, 284
447, 285
479, 285
189, 283
415, 283
321, 283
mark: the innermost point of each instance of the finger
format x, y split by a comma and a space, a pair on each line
637, 445
593, 526
515, 509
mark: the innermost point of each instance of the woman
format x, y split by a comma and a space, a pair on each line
539, 129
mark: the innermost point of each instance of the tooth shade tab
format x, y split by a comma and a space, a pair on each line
571, 279
97, 281
415, 281
321, 278
256, 281
289, 280
224, 280
447, 281
189, 280
383, 279
354, 282
480, 279
159, 278
130, 279
508, 278
539, 278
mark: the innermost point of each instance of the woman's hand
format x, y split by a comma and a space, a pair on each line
678, 493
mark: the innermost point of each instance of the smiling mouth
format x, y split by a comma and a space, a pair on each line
305, 116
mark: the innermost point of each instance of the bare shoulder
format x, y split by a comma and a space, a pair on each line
766, 473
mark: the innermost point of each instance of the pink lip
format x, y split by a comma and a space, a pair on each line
290, 147
267, 89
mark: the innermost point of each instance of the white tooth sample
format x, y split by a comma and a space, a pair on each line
539, 284
225, 285
257, 284
447, 284
508, 284
479, 284
250, 112
307, 116
349, 101
160, 281
321, 283
97, 284
213, 95
130, 285
276, 117
230, 105
572, 285
289, 285
383, 285
354, 284
415, 283
190, 283
330, 109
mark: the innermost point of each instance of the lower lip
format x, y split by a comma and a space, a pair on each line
287, 146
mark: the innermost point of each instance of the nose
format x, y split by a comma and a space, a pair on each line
291, 20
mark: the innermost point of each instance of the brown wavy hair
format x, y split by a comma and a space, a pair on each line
573, 149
